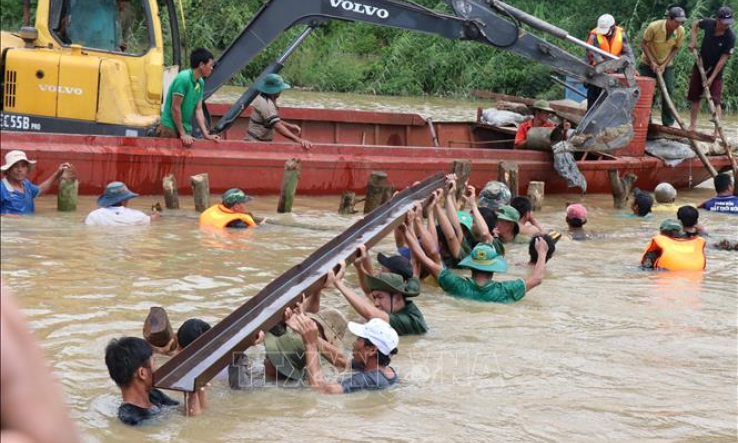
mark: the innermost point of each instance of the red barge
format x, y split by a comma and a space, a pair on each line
348, 146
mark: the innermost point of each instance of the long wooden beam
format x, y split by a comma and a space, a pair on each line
199, 362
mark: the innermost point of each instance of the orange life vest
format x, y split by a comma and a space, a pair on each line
678, 254
219, 216
613, 45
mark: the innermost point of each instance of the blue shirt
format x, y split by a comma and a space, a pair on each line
723, 205
361, 380
13, 201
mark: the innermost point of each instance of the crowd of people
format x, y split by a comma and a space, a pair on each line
660, 43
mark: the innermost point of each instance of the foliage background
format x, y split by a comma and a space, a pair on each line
348, 57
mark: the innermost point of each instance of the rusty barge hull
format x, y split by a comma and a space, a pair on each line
349, 145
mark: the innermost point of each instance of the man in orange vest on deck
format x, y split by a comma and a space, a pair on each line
610, 38
231, 213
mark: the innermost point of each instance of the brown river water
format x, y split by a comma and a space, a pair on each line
602, 351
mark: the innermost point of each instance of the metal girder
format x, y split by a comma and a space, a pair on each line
199, 362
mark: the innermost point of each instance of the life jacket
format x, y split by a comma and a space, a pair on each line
219, 216
678, 254
613, 44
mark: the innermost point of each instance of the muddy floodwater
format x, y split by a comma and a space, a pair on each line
602, 351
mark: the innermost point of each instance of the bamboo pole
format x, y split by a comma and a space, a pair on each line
715, 117
674, 112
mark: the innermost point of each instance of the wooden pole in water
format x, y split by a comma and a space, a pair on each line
376, 191
715, 118
507, 173
201, 191
171, 195
290, 179
674, 112
620, 187
66, 199
462, 169
536, 194
348, 201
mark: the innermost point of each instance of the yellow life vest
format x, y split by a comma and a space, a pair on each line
219, 216
678, 254
613, 45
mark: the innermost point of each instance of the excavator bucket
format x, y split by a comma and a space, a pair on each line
607, 125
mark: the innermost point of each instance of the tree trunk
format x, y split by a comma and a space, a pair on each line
507, 173
376, 191
620, 187
200, 191
171, 195
292, 170
536, 194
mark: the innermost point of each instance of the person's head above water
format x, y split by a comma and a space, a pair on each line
130, 362
390, 291
576, 215
507, 223
484, 260
523, 206
233, 197
494, 194
532, 247
642, 203
671, 228
665, 193
191, 330
689, 216
723, 184
396, 264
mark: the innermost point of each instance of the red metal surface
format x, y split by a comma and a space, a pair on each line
326, 169
349, 146
641, 116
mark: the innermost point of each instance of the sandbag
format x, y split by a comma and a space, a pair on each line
567, 168
496, 117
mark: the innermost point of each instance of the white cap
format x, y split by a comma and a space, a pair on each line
14, 157
604, 23
377, 331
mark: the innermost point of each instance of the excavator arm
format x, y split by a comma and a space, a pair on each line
607, 125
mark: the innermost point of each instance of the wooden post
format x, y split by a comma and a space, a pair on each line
620, 187
507, 173
674, 112
348, 201
290, 179
462, 169
715, 118
536, 193
171, 196
201, 191
157, 329
376, 191
66, 199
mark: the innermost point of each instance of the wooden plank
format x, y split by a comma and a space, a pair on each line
526, 101
679, 132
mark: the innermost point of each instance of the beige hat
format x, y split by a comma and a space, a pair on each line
334, 324
14, 157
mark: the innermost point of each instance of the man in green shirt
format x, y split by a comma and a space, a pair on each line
184, 99
661, 41
390, 293
483, 262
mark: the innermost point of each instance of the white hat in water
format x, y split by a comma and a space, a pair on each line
604, 23
377, 331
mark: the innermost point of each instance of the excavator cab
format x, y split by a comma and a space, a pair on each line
89, 66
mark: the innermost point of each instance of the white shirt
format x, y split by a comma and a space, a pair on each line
117, 216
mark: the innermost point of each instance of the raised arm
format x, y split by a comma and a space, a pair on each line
308, 330
536, 277
480, 225
44, 186
418, 253
360, 303
363, 266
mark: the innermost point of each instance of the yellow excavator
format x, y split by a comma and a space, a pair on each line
78, 70
98, 66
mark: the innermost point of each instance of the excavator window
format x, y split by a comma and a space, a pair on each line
105, 25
